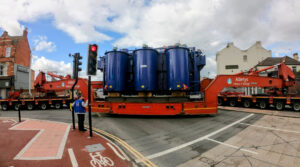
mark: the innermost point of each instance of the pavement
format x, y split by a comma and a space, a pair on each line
43, 143
270, 142
232, 138
284, 113
162, 141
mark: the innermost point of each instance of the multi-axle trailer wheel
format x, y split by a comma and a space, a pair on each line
31, 104
261, 103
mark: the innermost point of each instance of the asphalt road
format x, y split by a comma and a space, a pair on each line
166, 141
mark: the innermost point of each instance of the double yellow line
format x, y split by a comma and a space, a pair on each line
135, 153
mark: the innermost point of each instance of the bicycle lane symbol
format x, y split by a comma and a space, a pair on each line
97, 159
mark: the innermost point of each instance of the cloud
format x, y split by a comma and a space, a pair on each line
41, 43
210, 68
207, 25
285, 48
59, 67
47, 65
98, 77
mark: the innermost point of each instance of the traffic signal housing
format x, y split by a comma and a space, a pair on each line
79, 63
92, 60
76, 65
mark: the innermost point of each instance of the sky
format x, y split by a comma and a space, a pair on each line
57, 28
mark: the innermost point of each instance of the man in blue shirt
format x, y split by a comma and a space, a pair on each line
79, 109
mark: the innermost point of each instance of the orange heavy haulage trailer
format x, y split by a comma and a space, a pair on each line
276, 87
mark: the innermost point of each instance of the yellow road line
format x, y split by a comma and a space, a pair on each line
138, 155
129, 148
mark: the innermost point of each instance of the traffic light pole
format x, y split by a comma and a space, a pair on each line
76, 69
89, 106
73, 115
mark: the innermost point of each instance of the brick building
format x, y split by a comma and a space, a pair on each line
15, 56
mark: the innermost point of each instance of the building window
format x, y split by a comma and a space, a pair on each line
3, 69
245, 58
8, 52
228, 67
294, 69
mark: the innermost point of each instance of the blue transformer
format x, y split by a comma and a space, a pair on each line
115, 70
177, 61
145, 69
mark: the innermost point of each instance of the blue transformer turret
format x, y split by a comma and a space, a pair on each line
160, 71
115, 69
145, 69
177, 60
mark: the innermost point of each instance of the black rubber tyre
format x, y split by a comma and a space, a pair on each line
232, 103
296, 106
4, 107
247, 103
220, 102
57, 105
16, 106
43, 106
262, 104
30, 106
279, 105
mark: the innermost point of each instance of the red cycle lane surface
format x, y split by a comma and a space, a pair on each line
46, 143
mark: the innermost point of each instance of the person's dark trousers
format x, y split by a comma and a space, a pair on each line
81, 121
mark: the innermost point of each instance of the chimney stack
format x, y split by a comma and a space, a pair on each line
25, 32
258, 43
295, 55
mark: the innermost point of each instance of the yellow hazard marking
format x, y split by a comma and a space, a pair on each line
135, 153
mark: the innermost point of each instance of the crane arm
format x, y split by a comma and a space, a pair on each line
222, 81
59, 76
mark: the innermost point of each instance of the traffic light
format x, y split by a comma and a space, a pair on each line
79, 63
76, 65
92, 60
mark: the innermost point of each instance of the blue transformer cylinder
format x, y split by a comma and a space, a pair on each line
115, 70
177, 61
145, 69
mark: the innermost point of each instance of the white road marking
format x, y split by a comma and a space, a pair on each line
232, 146
196, 140
14, 120
63, 142
12, 128
116, 152
283, 130
72, 157
114, 145
98, 160
10, 121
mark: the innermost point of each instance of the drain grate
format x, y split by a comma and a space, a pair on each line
94, 148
